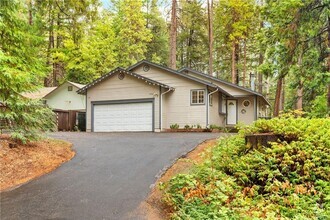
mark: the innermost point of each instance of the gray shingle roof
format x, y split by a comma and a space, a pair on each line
224, 82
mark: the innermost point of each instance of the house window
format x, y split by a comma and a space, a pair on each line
211, 100
222, 104
69, 88
246, 103
197, 97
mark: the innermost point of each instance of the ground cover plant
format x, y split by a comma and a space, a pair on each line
290, 179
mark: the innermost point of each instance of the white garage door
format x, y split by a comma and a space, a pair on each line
123, 117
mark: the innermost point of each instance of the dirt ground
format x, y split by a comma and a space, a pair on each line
23, 163
153, 208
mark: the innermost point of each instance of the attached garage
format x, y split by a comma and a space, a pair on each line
123, 101
129, 115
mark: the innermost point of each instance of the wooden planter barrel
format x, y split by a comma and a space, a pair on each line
262, 139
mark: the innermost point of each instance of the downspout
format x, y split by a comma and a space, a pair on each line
208, 107
255, 100
161, 108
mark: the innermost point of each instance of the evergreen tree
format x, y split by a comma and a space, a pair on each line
297, 48
61, 20
234, 25
132, 34
21, 70
157, 48
192, 37
95, 55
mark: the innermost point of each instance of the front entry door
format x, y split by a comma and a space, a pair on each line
231, 112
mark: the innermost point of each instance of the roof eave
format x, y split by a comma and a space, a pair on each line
150, 81
172, 71
222, 81
54, 90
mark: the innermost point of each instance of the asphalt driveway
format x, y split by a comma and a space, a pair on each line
107, 179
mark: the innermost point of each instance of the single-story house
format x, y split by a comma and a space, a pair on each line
68, 105
62, 97
151, 97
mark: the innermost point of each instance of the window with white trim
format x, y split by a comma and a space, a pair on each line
198, 97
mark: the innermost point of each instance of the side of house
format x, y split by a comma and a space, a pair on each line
150, 97
187, 105
250, 105
65, 97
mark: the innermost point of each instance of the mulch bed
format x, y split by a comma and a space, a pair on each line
22, 163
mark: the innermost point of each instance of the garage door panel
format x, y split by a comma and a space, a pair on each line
123, 117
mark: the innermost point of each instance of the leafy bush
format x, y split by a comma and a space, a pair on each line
187, 127
174, 126
288, 180
319, 107
215, 127
28, 119
198, 126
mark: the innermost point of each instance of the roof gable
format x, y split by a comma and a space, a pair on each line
39, 94
179, 74
223, 81
121, 70
218, 80
77, 85
171, 71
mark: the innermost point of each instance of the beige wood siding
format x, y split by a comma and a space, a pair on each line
230, 89
249, 115
216, 118
116, 89
176, 105
63, 99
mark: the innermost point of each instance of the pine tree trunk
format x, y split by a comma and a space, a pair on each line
261, 59
49, 79
173, 31
329, 60
57, 67
234, 61
299, 104
189, 45
30, 13
244, 68
260, 76
300, 90
282, 95
233, 64
210, 25
277, 104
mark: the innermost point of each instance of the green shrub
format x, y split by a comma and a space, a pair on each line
174, 126
319, 107
212, 127
187, 127
288, 180
28, 119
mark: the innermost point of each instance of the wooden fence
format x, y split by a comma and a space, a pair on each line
66, 120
